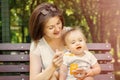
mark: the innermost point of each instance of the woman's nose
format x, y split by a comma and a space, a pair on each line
57, 28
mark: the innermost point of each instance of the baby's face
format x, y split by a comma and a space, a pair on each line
75, 42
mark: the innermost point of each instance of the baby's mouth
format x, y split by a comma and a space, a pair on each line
79, 47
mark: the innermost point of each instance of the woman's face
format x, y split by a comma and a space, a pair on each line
53, 28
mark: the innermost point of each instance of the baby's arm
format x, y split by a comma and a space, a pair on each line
63, 72
96, 69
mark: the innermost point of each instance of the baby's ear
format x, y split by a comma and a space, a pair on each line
86, 48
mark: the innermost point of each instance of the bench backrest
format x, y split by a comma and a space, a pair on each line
14, 61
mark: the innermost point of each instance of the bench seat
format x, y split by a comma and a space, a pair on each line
14, 61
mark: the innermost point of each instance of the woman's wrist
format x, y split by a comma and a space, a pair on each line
93, 72
54, 67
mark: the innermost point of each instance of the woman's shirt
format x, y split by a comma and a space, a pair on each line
43, 50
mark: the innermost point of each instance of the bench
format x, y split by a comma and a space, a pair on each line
14, 61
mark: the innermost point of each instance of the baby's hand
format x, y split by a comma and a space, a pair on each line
79, 73
58, 59
90, 73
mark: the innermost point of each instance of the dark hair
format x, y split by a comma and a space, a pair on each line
41, 14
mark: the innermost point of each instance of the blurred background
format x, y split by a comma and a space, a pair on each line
99, 19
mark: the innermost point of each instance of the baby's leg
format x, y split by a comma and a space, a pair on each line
89, 78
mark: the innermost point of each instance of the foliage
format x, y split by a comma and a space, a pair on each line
98, 18
21, 10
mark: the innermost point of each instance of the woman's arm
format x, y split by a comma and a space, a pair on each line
36, 72
36, 68
63, 72
55, 76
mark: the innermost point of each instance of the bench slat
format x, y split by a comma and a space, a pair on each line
26, 46
21, 57
99, 46
17, 46
105, 77
25, 57
107, 67
25, 77
14, 68
25, 68
106, 57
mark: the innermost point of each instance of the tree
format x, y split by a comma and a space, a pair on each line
99, 18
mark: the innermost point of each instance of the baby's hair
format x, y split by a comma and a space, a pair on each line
71, 30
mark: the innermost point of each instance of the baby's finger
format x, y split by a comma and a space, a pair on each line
78, 70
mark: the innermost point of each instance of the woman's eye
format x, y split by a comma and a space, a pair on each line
50, 27
58, 23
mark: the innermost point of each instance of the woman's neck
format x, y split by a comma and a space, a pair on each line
55, 43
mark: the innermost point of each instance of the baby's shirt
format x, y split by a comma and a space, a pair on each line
84, 62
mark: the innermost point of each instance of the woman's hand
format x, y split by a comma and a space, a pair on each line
54, 76
58, 59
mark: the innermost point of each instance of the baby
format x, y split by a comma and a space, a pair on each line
78, 62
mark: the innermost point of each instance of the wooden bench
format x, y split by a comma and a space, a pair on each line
14, 61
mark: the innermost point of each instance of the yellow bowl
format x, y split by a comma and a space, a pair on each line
73, 66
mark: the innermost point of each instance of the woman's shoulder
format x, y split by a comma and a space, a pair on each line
32, 46
35, 47
35, 44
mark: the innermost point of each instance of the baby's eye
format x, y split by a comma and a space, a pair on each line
80, 40
73, 42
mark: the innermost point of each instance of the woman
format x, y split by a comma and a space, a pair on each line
46, 29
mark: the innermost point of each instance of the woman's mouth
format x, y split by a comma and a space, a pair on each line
56, 33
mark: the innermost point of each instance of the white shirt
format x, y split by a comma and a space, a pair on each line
44, 51
84, 62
